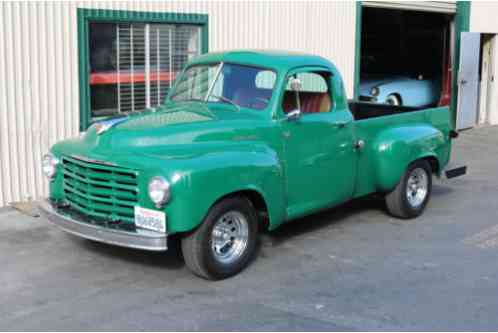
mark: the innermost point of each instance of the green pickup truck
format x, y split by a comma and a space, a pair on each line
245, 141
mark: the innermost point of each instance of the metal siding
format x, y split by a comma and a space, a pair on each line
483, 17
39, 89
5, 186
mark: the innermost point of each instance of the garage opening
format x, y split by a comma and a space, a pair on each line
405, 57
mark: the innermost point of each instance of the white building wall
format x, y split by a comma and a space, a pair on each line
483, 19
39, 89
483, 16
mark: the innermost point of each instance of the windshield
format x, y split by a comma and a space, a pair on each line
242, 86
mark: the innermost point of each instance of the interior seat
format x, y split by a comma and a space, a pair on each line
311, 102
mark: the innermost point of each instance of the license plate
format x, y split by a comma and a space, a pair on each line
150, 219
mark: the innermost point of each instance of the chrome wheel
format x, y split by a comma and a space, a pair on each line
229, 237
417, 187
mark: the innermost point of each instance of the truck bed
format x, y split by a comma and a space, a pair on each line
366, 110
375, 120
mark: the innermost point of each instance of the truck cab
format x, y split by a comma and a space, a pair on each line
246, 140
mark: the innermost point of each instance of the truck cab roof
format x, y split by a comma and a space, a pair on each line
275, 59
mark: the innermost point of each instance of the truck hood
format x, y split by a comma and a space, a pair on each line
175, 130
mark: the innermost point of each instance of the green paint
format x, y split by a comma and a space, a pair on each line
357, 53
398, 140
208, 151
91, 15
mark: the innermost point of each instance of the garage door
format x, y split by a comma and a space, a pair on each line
448, 7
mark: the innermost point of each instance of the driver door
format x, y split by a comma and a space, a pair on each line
320, 160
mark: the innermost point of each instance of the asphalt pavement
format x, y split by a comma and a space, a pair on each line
349, 268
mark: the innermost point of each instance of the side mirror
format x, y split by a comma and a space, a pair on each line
295, 84
294, 115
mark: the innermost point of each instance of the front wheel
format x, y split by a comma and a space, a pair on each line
225, 242
411, 195
393, 100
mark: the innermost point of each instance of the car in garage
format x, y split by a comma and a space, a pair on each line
246, 140
400, 90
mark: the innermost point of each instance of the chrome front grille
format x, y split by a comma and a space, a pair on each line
100, 191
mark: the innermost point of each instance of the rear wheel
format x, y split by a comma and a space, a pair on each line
225, 242
411, 195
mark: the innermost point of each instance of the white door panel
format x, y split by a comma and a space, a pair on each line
468, 80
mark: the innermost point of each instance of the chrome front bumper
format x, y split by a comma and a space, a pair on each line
141, 239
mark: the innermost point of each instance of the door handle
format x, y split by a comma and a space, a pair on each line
342, 124
463, 81
359, 144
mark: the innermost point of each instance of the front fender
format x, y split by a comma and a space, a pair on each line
396, 148
412, 92
202, 180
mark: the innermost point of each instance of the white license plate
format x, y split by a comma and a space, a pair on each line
150, 219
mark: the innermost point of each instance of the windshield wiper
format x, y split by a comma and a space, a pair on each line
191, 100
226, 100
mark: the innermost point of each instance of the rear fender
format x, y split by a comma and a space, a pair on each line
396, 148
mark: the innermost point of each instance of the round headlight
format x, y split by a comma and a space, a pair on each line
159, 191
49, 165
375, 91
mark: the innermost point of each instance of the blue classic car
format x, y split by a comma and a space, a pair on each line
400, 90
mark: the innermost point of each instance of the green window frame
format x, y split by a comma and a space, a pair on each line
85, 16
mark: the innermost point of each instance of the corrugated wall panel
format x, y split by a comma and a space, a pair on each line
39, 89
5, 185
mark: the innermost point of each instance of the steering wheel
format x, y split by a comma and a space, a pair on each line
261, 99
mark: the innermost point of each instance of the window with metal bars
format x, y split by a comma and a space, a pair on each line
132, 65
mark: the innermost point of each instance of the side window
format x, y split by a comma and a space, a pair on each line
314, 96
313, 82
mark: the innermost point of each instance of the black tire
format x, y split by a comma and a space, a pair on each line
394, 100
397, 201
197, 248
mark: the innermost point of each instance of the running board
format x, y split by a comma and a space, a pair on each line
455, 171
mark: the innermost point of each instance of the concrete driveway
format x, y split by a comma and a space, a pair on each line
349, 268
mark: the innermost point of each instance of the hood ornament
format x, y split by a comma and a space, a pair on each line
104, 125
